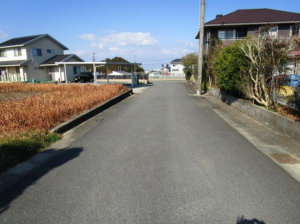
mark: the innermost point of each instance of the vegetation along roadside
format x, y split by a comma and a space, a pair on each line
29, 111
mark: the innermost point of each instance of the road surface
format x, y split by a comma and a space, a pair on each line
160, 156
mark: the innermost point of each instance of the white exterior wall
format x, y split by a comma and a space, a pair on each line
13, 73
178, 69
54, 73
10, 54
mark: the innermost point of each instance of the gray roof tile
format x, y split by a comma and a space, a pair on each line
56, 58
18, 40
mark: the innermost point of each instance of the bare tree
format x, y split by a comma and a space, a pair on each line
268, 56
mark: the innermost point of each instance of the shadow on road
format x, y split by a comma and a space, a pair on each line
58, 160
242, 220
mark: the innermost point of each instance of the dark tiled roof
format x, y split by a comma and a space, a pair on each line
176, 61
56, 58
10, 63
18, 41
256, 16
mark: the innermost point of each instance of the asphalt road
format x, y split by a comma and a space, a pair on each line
161, 156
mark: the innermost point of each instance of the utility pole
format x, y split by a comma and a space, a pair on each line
201, 37
93, 67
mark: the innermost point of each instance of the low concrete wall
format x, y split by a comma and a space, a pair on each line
276, 121
66, 126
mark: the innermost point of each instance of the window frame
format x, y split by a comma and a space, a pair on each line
50, 51
226, 34
268, 32
36, 51
292, 27
75, 70
3, 53
19, 51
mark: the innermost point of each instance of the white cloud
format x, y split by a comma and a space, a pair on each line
113, 49
88, 36
3, 35
121, 39
145, 48
187, 43
84, 52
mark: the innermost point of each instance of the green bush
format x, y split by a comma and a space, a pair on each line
230, 62
188, 74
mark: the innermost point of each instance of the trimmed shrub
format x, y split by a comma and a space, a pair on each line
230, 63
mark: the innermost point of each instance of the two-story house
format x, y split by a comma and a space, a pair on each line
247, 22
33, 58
177, 68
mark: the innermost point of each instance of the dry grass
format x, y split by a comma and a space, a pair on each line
289, 112
40, 107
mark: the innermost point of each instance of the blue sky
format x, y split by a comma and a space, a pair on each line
156, 32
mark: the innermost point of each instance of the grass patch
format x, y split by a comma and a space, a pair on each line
23, 147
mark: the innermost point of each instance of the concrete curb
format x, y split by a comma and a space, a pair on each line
66, 126
20, 171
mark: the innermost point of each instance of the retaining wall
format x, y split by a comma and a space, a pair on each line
276, 121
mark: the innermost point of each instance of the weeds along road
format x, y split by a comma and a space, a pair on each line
160, 156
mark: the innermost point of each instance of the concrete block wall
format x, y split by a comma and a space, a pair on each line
276, 121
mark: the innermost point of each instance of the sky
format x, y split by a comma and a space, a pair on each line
150, 32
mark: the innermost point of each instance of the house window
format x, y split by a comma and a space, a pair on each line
75, 70
36, 52
2, 53
38, 68
294, 30
50, 51
272, 32
241, 34
226, 34
18, 52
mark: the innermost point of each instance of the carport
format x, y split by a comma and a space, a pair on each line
97, 64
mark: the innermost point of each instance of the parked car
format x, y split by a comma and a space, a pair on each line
84, 77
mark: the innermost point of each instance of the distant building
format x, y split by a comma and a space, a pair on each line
35, 57
165, 70
155, 73
177, 68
